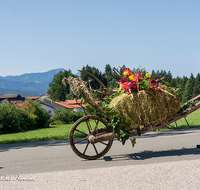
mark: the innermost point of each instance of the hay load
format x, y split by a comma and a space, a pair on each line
146, 107
144, 100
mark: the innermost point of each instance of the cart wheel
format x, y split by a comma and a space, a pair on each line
84, 127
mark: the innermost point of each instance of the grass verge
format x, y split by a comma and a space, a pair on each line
59, 132
56, 132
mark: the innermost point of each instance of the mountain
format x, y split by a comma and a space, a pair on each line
30, 82
34, 77
21, 92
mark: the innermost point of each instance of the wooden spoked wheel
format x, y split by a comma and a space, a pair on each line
80, 132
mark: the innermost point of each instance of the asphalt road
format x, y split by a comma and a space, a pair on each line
47, 156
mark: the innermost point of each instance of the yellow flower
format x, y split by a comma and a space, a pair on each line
120, 87
125, 73
131, 77
148, 75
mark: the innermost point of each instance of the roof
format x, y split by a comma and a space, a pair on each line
9, 95
73, 101
18, 104
33, 98
45, 95
52, 105
69, 106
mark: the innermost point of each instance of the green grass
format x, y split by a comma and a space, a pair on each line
62, 131
193, 120
43, 134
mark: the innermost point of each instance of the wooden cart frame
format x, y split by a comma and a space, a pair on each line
99, 136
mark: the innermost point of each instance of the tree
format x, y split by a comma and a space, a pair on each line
57, 90
188, 89
92, 70
196, 88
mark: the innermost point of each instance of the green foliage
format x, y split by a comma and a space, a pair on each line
57, 90
66, 116
133, 142
11, 120
196, 88
116, 123
15, 119
39, 115
189, 89
46, 100
185, 107
92, 70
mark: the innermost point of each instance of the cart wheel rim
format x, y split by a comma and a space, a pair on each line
95, 126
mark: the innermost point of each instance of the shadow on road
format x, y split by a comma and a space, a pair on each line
153, 154
6, 147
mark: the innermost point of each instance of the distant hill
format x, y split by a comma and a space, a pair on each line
21, 92
34, 77
30, 82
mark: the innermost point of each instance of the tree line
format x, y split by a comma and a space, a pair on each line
190, 86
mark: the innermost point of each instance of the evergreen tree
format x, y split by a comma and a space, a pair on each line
92, 70
57, 90
188, 89
153, 74
168, 76
196, 88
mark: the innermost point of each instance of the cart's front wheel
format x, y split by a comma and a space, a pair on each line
82, 129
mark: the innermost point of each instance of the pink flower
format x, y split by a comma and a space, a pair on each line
152, 81
125, 78
126, 72
154, 85
121, 81
136, 77
158, 77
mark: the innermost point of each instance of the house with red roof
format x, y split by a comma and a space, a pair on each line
50, 106
40, 97
68, 104
71, 104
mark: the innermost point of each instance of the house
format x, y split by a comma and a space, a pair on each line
33, 98
40, 97
13, 98
50, 106
71, 105
45, 96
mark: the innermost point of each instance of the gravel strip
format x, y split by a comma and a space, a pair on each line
168, 175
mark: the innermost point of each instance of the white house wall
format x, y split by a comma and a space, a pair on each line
48, 109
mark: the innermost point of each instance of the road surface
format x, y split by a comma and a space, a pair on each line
47, 156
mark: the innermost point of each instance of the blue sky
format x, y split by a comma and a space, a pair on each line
40, 35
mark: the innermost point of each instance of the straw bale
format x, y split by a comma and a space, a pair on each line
146, 107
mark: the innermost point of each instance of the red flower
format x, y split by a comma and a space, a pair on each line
136, 77
152, 81
121, 81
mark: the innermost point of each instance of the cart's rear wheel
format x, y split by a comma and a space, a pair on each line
80, 131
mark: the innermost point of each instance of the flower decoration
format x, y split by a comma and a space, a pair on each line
148, 75
135, 82
127, 72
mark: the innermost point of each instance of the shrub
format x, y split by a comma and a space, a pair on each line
16, 119
66, 116
13, 118
41, 117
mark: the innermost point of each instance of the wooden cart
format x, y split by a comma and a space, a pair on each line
98, 139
